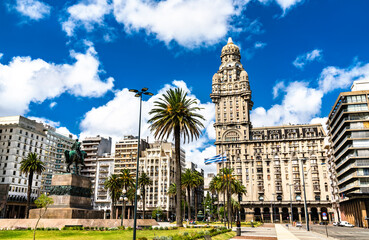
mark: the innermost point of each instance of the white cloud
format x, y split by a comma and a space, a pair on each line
61, 130
119, 117
302, 60
191, 23
1, 55
284, 4
52, 105
259, 45
250, 52
277, 88
24, 80
33, 9
333, 78
301, 103
87, 14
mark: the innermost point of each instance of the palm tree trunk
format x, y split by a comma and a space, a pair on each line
177, 139
189, 203
218, 207
195, 193
30, 178
144, 201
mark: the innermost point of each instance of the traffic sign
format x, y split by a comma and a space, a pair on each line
324, 214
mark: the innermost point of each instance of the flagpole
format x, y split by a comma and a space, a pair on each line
224, 213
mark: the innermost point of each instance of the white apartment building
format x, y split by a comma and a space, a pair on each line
95, 147
158, 161
102, 199
18, 137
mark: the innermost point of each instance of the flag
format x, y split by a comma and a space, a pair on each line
215, 159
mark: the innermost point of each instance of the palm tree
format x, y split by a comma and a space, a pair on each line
188, 182
131, 196
127, 183
114, 185
143, 181
238, 189
174, 113
227, 178
32, 164
214, 188
198, 182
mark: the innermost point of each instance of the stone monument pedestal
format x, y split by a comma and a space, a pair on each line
72, 199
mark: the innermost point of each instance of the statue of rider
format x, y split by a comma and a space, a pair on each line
77, 147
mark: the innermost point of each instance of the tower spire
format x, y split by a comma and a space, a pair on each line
230, 40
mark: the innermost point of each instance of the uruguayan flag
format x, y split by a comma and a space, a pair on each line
215, 159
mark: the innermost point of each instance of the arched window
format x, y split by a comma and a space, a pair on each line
232, 136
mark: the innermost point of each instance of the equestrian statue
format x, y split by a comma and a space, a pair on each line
75, 156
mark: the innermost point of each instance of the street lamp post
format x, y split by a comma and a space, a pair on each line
124, 200
138, 94
291, 216
305, 205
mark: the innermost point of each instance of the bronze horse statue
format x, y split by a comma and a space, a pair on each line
73, 157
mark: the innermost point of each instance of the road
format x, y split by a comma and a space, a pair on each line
343, 232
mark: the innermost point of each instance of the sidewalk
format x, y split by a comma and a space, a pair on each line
279, 232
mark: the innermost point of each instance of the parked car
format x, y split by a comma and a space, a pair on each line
336, 224
345, 224
298, 224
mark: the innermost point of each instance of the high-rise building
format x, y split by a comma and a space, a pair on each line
54, 159
94, 147
158, 161
348, 125
267, 160
18, 137
102, 198
126, 153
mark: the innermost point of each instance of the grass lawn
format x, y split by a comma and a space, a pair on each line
90, 235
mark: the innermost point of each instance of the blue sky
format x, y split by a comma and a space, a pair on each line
70, 63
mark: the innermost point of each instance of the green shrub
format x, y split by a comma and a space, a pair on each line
129, 228
166, 228
185, 234
150, 227
142, 238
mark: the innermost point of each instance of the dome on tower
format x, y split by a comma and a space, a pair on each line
216, 78
244, 76
230, 48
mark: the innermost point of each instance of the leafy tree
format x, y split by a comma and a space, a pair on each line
175, 114
115, 185
31, 165
143, 181
42, 201
157, 213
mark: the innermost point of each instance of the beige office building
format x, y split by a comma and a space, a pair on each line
267, 160
348, 125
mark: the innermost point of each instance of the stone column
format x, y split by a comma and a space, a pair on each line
280, 214
319, 214
300, 217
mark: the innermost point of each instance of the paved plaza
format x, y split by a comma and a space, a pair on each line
343, 232
279, 232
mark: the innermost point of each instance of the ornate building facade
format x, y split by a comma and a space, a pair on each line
269, 161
